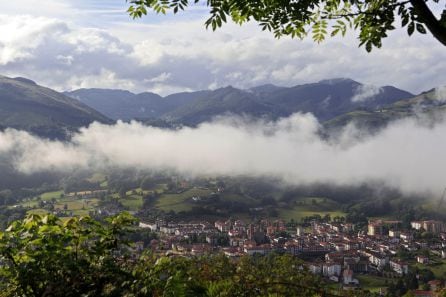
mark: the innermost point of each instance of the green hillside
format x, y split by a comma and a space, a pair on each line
426, 104
24, 105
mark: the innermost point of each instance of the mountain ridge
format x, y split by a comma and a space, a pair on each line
326, 99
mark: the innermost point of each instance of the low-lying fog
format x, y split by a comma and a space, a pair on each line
407, 154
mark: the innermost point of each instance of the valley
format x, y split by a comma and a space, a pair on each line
194, 214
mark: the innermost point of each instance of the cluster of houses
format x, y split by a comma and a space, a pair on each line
333, 250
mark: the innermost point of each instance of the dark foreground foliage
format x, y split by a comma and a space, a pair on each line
43, 256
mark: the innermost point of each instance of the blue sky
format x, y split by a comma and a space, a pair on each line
72, 44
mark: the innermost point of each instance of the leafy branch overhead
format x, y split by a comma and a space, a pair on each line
319, 19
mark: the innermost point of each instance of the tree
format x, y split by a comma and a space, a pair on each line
41, 256
373, 19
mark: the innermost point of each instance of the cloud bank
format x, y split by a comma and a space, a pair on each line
405, 155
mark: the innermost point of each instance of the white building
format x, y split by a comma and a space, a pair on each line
394, 233
315, 268
331, 269
399, 267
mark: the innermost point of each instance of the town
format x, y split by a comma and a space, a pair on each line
333, 250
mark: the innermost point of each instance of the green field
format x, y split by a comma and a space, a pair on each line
38, 211
50, 195
132, 202
181, 201
298, 214
309, 206
371, 282
79, 207
97, 178
437, 266
236, 197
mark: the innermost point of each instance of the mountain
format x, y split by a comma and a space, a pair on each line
430, 104
330, 98
222, 101
326, 99
112, 103
27, 106
124, 105
266, 89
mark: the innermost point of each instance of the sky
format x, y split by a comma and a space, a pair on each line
94, 43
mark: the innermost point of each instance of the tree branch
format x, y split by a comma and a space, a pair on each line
437, 28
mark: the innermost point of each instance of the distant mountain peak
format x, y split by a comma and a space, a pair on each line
265, 86
228, 87
265, 89
338, 80
100, 90
25, 80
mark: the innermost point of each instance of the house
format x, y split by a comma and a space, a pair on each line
331, 269
421, 293
399, 267
417, 225
167, 229
231, 252
423, 259
356, 264
340, 247
264, 249
394, 233
315, 268
406, 236
300, 231
223, 226
435, 227
375, 228
348, 277
200, 249
435, 284
236, 241
377, 259
151, 226
212, 239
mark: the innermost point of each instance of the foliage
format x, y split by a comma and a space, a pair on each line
41, 256
44, 257
373, 19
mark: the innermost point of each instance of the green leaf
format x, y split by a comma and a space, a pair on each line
421, 29
410, 28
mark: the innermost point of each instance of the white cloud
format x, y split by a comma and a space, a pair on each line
163, 77
20, 36
56, 52
366, 92
148, 52
440, 93
289, 149
105, 78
